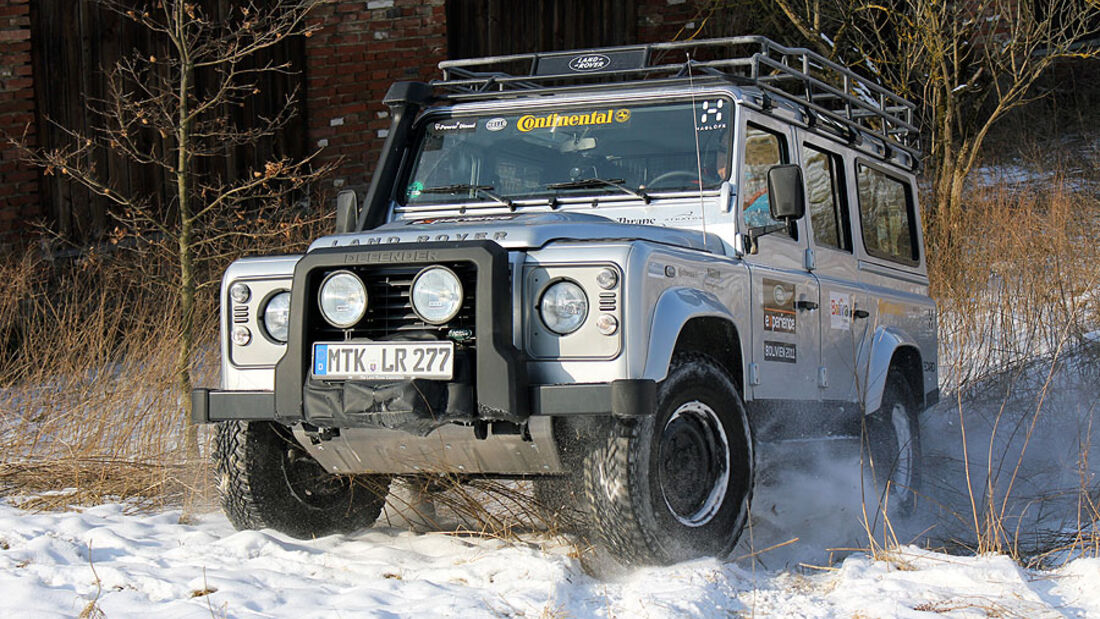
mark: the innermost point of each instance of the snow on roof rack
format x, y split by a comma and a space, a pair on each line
831, 94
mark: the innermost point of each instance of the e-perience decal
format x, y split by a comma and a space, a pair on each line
779, 314
529, 122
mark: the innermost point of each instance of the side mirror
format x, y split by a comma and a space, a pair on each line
785, 194
347, 211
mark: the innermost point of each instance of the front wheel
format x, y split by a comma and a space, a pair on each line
266, 480
676, 485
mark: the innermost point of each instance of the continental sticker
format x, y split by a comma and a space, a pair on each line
779, 314
783, 352
609, 116
840, 311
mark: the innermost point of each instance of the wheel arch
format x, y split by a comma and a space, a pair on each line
893, 349
702, 324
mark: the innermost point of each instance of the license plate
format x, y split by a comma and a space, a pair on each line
384, 360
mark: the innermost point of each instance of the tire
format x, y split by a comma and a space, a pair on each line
560, 504
676, 485
266, 480
893, 443
559, 499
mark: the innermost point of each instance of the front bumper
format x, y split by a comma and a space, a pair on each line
498, 369
620, 398
210, 405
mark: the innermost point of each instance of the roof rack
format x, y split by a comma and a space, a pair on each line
839, 98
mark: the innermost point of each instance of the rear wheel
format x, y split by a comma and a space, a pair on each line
266, 480
676, 485
893, 439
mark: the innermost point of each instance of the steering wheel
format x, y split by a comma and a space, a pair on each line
673, 174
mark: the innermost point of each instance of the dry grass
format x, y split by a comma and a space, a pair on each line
1016, 280
502, 509
1015, 277
88, 400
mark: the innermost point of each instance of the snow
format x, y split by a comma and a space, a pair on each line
794, 560
151, 563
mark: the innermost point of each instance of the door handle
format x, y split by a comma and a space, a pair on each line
805, 305
861, 313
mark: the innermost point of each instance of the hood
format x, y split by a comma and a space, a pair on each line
520, 231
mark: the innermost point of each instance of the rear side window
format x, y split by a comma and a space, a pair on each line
886, 216
827, 198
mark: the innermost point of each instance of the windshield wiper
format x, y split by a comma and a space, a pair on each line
617, 183
485, 190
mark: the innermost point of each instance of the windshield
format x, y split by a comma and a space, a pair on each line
627, 149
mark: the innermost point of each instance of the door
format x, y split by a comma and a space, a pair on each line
785, 294
844, 299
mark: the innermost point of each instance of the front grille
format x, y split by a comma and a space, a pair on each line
389, 309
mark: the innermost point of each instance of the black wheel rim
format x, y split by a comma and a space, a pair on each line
694, 464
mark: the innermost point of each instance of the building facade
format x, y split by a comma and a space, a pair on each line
51, 50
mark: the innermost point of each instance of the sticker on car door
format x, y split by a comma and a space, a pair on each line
779, 314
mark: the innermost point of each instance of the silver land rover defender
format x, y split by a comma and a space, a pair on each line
610, 271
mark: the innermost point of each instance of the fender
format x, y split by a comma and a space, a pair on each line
876, 362
675, 307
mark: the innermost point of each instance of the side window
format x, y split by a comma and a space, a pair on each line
886, 215
763, 149
824, 173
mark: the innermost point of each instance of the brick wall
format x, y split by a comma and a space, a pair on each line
663, 20
18, 184
362, 48
365, 46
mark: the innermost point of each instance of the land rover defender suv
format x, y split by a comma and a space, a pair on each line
609, 271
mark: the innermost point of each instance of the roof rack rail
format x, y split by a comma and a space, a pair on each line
833, 94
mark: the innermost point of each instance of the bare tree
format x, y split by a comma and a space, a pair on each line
168, 111
967, 63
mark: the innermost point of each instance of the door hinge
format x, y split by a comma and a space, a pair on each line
808, 259
754, 374
823, 377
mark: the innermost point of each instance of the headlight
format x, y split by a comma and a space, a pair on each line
436, 295
343, 299
563, 307
276, 316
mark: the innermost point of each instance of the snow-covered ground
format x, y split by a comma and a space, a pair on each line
55, 564
1030, 454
